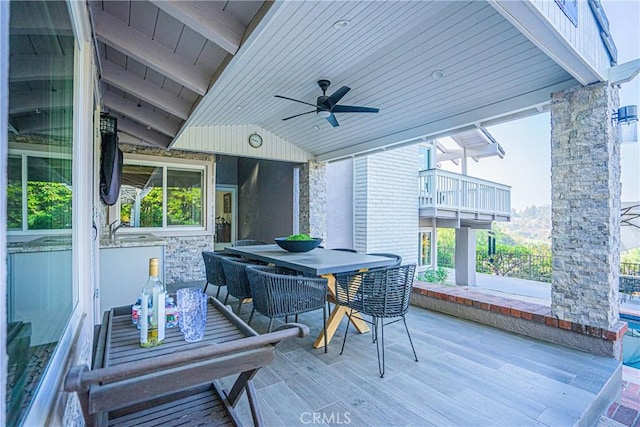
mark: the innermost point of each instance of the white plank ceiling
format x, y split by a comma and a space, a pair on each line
387, 55
167, 66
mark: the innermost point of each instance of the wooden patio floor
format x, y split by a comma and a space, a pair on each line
468, 374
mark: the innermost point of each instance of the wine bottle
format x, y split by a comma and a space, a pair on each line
152, 308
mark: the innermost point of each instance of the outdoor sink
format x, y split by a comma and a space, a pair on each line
125, 238
50, 241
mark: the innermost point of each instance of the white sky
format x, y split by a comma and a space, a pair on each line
527, 163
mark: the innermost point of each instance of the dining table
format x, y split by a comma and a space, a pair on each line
319, 262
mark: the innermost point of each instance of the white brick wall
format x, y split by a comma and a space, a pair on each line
386, 208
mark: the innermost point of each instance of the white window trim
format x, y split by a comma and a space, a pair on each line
176, 164
23, 155
46, 397
4, 119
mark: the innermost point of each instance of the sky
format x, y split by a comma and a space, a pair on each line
526, 166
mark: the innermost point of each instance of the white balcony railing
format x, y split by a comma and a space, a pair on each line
447, 190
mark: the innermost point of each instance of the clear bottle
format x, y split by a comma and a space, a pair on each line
172, 313
152, 308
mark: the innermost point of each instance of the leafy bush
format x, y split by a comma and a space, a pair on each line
434, 276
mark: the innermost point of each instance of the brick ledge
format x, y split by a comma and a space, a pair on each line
533, 312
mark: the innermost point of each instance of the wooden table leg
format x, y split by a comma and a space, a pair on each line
336, 317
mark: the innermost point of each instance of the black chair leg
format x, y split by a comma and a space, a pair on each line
204, 291
217, 293
239, 305
226, 298
253, 310
378, 344
409, 335
344, 340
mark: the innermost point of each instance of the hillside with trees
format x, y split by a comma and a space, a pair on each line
522, 246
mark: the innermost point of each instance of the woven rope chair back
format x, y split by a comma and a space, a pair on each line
380, 292
277, 292
213, 268
236, 277
248, 242
397, 258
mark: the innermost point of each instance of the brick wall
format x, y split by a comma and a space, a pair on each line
386, 203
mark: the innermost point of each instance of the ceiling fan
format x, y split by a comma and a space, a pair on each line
326, 106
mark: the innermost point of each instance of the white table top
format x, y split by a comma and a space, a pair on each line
317, 262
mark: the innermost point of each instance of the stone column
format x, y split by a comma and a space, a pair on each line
465, 256
313, 199
585, 186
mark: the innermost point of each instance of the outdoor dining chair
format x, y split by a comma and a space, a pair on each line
213, 270
236, 279
381, 293
278, 293
248, 242
397, 258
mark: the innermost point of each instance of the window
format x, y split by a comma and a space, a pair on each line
424, 157
40, 287
40, 187
424, 255
162, 195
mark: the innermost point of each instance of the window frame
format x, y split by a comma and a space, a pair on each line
24, 154
174, 164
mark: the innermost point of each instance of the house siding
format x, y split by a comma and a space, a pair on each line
233, 141
386, 209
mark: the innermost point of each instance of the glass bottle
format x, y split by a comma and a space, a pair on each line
152, 308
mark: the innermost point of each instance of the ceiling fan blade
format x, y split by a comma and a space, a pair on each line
337, 96
332, 119
353, 109
296, 100
301, 114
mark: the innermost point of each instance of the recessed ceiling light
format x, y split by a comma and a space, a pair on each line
239, 107
339, 25
316, 127
437, 74
148, 127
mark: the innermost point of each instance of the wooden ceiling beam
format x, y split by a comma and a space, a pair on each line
27, 101
137, 130
26, 68
40, 18
207, 19
148, 92
125, 138
146, 116
138, 46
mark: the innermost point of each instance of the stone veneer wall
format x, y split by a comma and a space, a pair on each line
386, 203
183, 258
313, 199
585, 183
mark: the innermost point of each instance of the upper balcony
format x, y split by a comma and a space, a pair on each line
444, 194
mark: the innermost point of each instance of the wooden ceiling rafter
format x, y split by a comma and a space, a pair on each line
156, 120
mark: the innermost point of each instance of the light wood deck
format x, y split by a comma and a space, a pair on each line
468, 375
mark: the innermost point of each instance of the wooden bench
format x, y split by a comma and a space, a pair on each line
175, 381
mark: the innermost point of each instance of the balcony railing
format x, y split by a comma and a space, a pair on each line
447, 190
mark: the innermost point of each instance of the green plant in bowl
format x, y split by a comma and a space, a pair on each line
299, 237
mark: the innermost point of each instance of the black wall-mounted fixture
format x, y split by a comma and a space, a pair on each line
110, 160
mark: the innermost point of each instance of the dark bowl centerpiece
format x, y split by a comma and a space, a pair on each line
298, 242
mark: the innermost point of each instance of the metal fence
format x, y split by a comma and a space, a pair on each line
529, 267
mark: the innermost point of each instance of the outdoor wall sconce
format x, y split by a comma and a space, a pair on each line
627, 119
